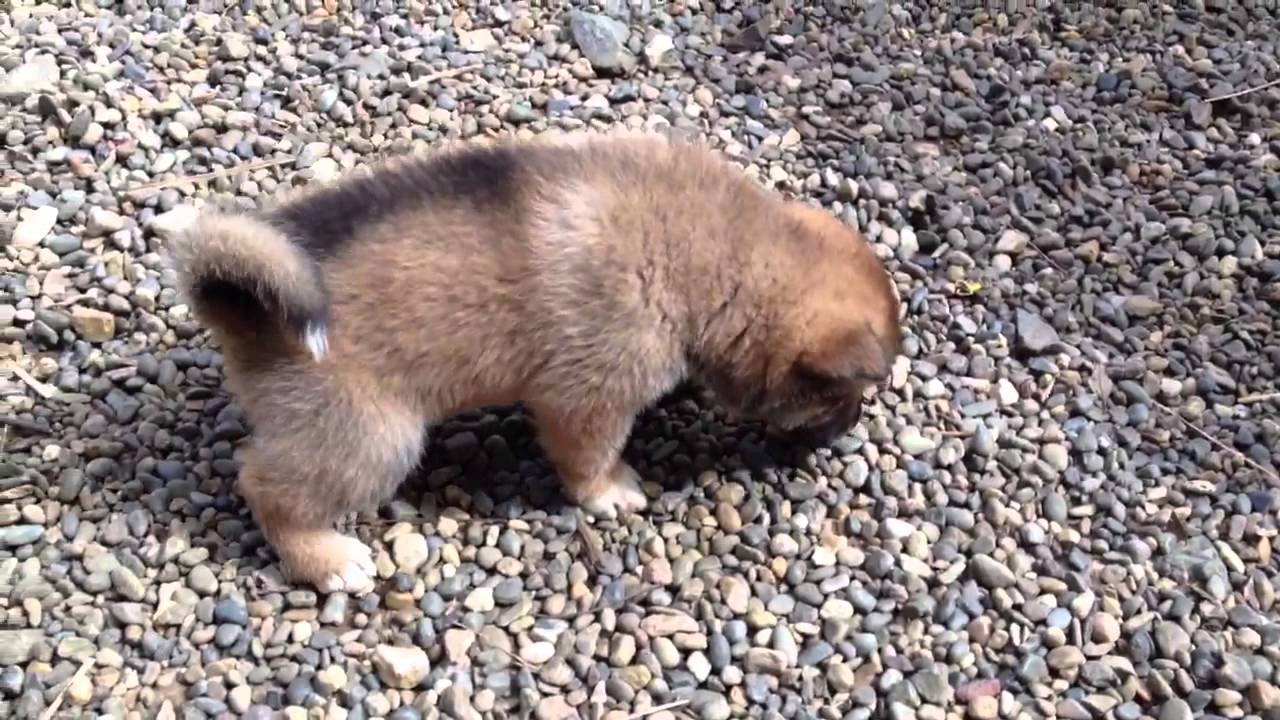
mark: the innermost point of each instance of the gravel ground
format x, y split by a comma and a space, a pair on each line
1063, 506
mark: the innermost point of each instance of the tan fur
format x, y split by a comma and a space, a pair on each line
617, 268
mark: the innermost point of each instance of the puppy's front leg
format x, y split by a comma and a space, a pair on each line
586, 449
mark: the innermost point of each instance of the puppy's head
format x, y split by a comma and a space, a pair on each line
828, 333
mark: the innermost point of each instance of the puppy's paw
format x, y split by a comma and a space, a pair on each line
622, 494
338, 563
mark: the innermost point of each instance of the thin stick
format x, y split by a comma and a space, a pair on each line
447, 74
657, 709
1258, 398
57, 701
1221, 445
518, 660
246, 167
1043, 254
43, 390
1245, 91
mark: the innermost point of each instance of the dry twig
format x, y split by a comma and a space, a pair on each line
42, 389
1267, 473
447, 74
513, 656
1258, 398
657, 709
202, 177
50, 711
1245, 91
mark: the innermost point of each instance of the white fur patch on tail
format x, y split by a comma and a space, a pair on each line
317, 340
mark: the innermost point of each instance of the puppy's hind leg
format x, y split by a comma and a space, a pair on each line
300, 480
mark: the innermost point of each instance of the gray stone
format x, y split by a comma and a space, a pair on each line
234, 47
39, 73
202, 580
127, 584
933, 687
1055, 507
764, 661
1036, 336
455, 701
401, 667
1176, 709
1171, 640
991, 573
601, 39
18, 646
18, 535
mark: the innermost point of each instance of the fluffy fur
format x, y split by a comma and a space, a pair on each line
584, 277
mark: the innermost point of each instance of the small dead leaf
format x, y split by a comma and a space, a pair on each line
1102, 383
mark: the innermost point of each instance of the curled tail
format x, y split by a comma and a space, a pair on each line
245, 277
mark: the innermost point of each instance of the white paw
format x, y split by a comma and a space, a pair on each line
622, 496
356, 572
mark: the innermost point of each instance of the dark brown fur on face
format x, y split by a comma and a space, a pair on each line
585, 278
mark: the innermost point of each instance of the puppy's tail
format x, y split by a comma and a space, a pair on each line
246, 279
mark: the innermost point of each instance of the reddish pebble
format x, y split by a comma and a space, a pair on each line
978, 688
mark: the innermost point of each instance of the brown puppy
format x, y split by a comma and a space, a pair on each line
584, 277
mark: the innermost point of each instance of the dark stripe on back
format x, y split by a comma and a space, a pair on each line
326, 220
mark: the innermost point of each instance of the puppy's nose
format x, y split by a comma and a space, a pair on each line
826, 432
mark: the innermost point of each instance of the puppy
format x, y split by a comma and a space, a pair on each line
585, 277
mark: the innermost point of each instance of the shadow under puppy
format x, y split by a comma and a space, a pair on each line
584, 276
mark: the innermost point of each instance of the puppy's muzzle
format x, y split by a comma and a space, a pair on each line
825, 430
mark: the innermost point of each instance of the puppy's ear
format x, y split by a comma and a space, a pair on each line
847, 356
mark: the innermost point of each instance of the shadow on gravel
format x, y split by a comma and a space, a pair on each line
489, 464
